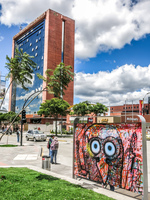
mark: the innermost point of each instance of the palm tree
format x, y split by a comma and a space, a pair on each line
59, 80
20, 69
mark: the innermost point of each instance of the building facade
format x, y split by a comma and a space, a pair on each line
129, 112
50, 39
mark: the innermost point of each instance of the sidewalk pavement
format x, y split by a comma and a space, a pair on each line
29, 156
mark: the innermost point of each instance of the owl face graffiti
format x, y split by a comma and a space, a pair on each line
109, 147
107, 151
100, 155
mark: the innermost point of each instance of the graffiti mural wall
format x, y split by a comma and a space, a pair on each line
110, 155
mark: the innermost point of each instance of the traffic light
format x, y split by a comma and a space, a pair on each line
24, 116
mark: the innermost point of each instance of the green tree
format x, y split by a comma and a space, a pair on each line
20, 69
81, 108
58, 80
84, 108
10, 116
98, 108
2, 117
54, 107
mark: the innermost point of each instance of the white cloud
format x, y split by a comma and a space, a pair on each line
100, 25
108, 24
20, 11
27, 94
1, 38
125, 82
6, 101
28, 85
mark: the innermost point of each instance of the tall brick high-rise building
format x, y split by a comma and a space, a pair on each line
50, 39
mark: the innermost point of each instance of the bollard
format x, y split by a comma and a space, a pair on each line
46, 163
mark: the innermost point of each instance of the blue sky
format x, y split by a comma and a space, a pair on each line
136, 53
112, 46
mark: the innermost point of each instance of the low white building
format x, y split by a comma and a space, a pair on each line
3, 110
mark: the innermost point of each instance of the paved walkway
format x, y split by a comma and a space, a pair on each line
26, 157
29, 156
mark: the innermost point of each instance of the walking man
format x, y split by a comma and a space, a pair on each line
54, 148
49, 145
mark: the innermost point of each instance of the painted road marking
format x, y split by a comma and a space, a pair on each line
20, 157
26, 157
32, 157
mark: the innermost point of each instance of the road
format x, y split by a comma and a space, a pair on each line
30, 153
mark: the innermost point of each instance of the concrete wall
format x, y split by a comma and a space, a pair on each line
43, 127
109, 119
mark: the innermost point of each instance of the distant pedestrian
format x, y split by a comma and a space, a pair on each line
49, 145
54, 148
18, 133
3, 128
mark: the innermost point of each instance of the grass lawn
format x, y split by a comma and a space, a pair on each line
8, 145
23, 183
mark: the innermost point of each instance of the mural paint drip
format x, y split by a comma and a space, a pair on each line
110, 155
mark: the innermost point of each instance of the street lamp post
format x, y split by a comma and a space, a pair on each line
132, 110
143, 103
125, 111
23, 108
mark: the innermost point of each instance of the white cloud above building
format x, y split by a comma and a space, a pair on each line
100, 25
127, 82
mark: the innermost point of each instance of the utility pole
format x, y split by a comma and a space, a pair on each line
23, 120
62, 60
125, 111
132, 110
143, 102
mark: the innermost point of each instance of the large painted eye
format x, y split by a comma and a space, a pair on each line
109, 149
95, 146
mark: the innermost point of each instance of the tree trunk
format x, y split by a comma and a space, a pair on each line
96, 117
56, 127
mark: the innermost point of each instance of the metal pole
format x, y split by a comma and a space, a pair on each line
62, 99
62, 60
132, 110
61, 123
144, 149
143, 107
24, 107
21, 132
125, 111
143, 103
76, 121
21, 111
